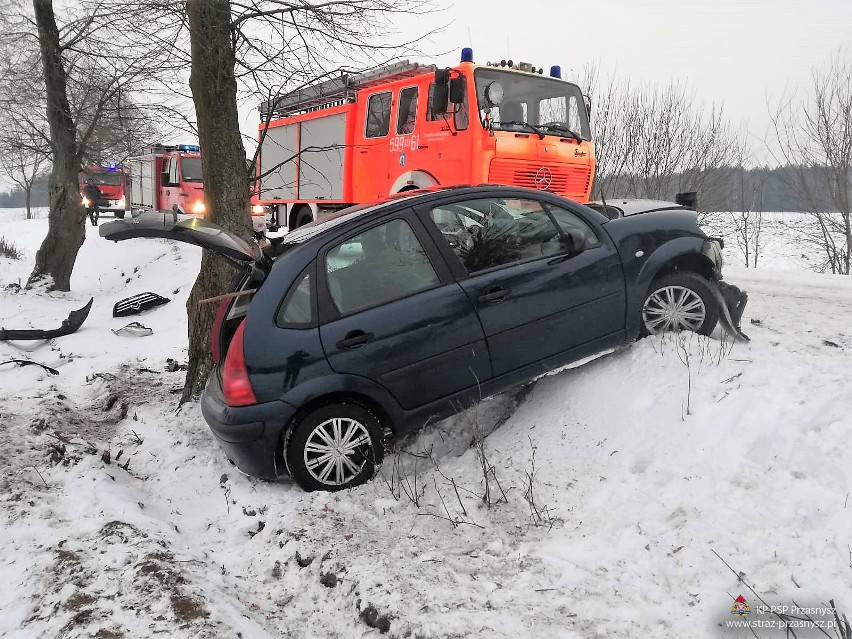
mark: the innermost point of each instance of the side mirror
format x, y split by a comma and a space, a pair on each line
576, 240
457, 87
587, 101
441, 95
689, 199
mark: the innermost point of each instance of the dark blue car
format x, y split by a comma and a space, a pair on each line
367, 324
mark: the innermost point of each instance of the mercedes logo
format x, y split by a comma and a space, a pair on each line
543, 178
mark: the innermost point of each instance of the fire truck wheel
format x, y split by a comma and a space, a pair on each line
302, 216
119, 215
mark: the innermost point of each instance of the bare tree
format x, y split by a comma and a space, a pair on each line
814, 134
24, 157
747, 221
652, 141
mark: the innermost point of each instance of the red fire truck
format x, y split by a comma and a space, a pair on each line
361, 138
112, 182
167, 178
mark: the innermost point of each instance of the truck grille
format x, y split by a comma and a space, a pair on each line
570, 181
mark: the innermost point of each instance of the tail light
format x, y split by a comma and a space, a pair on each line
216, 331
236, 385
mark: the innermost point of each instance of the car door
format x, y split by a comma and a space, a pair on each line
394, 314
543, 279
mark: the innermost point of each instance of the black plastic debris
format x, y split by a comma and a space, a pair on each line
27, 362
70, 324
138, 304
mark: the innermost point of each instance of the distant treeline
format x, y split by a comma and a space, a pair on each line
17, 198
735, 189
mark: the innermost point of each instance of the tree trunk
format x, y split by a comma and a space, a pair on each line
223, 163
66, 231
29, 193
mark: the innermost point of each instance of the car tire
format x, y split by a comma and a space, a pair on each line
334, 447
679, 301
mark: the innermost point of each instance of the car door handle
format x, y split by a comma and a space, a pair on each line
493, 295
355, 339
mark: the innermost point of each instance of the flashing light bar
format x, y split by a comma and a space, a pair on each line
190, 148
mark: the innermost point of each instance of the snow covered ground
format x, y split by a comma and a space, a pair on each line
614, 492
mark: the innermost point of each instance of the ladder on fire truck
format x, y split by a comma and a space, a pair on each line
337, 91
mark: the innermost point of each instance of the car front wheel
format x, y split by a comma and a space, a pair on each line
334, 447
679, 302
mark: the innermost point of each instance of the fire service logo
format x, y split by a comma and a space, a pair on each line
740, 608
543, 178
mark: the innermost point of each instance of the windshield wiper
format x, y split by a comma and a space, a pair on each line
558, 127
538, 131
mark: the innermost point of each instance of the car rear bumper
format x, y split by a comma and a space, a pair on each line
249, 435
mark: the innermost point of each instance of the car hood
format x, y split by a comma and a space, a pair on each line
624, 207
192, 231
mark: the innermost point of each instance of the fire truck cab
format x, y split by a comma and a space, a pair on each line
167, 179
361, 138
112, 182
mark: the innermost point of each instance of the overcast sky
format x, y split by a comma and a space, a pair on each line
736, 52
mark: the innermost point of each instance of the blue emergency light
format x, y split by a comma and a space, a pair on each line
556, 71
190, 148
112, 165
467, 54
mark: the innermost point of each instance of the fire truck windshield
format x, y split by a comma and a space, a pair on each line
191, 169
109, 178
553, 106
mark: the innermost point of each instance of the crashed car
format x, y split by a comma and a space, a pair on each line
370, 323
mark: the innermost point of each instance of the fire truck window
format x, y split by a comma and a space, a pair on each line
191, 169
378, 115
494, 232
110, 178
407, 114
378, 266
173, 172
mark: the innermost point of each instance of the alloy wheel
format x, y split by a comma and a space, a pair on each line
336, 450
673, 308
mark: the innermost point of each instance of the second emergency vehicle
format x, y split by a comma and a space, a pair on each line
167, 179
112, 183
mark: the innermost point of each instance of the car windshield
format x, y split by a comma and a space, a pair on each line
109, 178
550, 105
191, 169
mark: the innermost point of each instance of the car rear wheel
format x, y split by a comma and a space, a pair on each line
679, 302
334, 447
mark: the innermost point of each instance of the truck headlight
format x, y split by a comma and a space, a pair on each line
86, 202
257, 209
121, 203
198, 207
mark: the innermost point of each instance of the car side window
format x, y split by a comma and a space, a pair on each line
378, 266
297, 310
568, 221
492, 232
378, 115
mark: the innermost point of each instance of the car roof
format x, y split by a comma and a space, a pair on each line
345, 217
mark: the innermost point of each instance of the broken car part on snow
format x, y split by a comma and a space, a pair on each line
70, 324
138, 303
